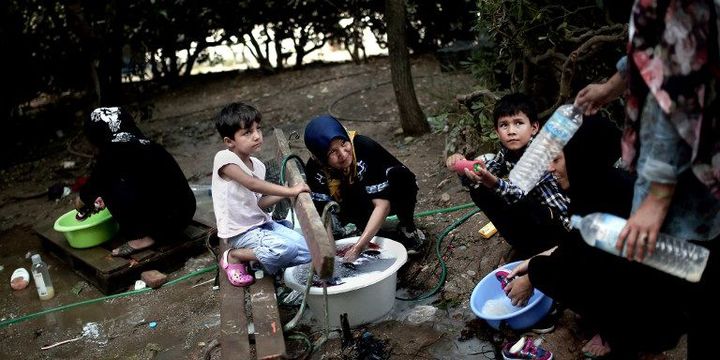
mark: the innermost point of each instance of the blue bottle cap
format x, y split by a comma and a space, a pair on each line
152, 324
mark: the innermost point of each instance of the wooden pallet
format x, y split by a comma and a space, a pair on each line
116, 274
261, 308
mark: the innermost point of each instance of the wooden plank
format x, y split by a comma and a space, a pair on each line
319, 241
269, 340
233, 328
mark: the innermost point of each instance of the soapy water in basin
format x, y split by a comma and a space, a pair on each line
369, 264
498, 307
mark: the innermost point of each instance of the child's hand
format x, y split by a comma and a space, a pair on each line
482, 176
452, 159
300, 188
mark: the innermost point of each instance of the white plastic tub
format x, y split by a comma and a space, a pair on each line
365, 298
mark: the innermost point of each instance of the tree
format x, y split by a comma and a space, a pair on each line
547, 50
412, 119
100, 46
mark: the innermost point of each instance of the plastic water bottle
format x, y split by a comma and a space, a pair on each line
41, 275
673, 256
203, 194
201, 189
557, 131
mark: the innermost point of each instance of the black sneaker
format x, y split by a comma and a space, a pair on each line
412, 240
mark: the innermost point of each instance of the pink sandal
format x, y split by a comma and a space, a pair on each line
236, 273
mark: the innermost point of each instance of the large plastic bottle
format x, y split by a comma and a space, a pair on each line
557, 131
672, 255
43, 283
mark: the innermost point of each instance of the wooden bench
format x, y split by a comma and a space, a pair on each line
269, 343
235, 337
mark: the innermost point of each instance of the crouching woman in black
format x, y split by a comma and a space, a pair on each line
138, 180
364, 179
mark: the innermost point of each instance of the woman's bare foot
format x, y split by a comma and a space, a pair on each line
596, 347
133, 246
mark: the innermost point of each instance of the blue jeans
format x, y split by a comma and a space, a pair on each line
274, 245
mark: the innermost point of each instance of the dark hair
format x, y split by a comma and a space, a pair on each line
234, 117
512, 104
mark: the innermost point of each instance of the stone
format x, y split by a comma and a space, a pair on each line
153, 278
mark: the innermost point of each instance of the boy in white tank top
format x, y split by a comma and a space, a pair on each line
240, 192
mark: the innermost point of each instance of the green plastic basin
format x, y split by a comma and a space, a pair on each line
90, 232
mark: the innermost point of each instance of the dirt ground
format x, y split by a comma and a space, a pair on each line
188, 317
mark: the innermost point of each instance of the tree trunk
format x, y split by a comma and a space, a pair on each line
256, 51
412, 119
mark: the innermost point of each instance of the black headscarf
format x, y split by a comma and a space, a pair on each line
107, 125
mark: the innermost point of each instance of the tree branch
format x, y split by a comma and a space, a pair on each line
468, 99
621, 29
568, 70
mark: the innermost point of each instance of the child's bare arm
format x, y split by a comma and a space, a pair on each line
269, 200
234, 173
483, 177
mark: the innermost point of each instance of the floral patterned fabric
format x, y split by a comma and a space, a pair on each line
673, 57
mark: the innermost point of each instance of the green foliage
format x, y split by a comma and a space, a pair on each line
438, 122
484, 122
546, 49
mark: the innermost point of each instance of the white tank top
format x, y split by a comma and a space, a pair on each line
236, 207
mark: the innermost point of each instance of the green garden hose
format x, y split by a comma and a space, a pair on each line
20, 319
438, 254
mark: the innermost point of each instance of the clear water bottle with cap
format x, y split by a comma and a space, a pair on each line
548, 144
42, 278
672, 255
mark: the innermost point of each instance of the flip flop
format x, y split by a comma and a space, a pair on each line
125, 250
236, 273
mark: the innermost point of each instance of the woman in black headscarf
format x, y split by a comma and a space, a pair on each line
589, 281
138, 180
366, 181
